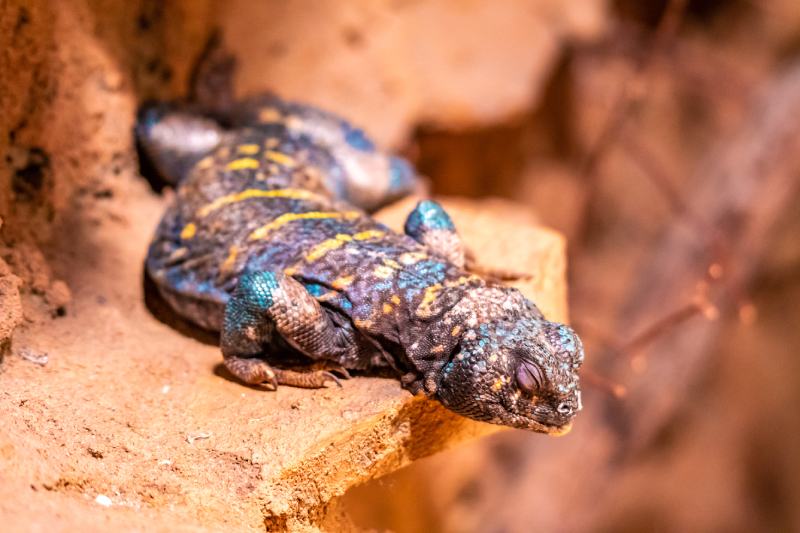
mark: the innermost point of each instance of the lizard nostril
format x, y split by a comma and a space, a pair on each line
564, 408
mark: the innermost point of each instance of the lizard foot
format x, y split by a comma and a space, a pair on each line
252, 371
259, 372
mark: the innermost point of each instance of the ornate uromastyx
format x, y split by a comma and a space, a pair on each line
268, 242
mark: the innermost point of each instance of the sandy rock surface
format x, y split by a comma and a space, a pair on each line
113, 413
127, 416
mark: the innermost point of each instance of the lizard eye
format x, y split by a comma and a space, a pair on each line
529, 377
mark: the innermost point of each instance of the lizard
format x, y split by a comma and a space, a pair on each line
269, 241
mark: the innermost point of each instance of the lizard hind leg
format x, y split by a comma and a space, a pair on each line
267, 304
429, 224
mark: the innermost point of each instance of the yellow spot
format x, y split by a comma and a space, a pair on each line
383, 272
178, 253
395, 299
206, 162
264, 230
391, 263
455, 283
493, 358
243, 163
387, 308
290, 271
280, 158
341, 283
362, 323
437, 349
428, 298
189, 231
456, 330
369, 234
294, 122
269, 114
498, 384
409, 258
248, 149
294, 194
233, 252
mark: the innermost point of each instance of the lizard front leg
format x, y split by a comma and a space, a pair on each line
429, 224
266, 304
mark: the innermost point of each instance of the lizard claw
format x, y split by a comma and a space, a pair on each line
331, 367
328, 376
340, 371
315, 379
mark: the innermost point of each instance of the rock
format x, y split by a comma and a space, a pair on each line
58, 296
10, 307
71, 76
256, 457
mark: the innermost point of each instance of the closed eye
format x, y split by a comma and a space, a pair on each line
530, 377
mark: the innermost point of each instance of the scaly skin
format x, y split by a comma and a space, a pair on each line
268, 243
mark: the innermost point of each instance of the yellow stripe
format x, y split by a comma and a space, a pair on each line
233, 252
243, 163
295, 194
369, 234
264, 230
248, 149
280, 158
320, 250
188, 231
326, 246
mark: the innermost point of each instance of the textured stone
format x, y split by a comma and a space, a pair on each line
142, 412
133, 406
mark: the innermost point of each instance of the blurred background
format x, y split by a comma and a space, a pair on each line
660, 147
661, 137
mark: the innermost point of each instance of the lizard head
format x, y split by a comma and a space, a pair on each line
515, 371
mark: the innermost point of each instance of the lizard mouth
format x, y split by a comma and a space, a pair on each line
538, 427
560, 431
